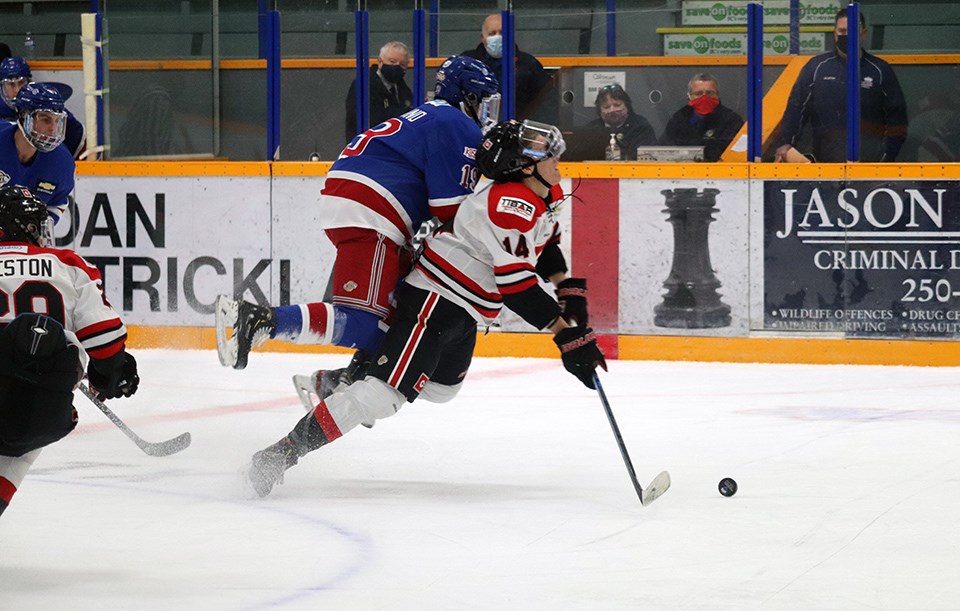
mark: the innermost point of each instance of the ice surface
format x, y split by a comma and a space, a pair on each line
512, 496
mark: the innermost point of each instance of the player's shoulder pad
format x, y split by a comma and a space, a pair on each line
514, 206
68, 257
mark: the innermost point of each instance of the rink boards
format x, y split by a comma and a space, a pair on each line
169, 237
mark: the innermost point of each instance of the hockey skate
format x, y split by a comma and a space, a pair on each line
251, 324
268, 465
317, 386
324, 382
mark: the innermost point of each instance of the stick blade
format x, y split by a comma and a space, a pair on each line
657, 487
166, 448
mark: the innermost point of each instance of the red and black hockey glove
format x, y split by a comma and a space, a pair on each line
114, 377
572, 297
580, 353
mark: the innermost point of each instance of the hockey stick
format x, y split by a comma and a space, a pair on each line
162, 448
660, 483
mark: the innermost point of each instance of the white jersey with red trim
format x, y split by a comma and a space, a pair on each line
491, 250
62, 285
402, 172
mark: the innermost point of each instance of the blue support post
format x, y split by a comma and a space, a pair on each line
273, 85
262, 43
419, 57
362, 24
754, 81
794, 27
506, 74
611, 28
853, 82
434, 27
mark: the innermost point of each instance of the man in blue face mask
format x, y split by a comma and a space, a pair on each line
536, 95
389, 94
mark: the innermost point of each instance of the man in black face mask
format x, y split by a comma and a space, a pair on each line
389, 94
819, 97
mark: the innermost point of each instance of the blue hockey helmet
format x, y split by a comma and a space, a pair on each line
41, 115
468, 83
14, 74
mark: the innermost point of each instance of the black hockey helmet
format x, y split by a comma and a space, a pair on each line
509, 147
23, 217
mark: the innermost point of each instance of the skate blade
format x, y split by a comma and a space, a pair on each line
306, 391
226, 315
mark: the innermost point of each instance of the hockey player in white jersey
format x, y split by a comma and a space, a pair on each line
55, 323
503, 237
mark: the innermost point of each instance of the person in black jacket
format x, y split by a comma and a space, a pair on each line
615, 113
389, 94
704, 121
535, 93
819, 97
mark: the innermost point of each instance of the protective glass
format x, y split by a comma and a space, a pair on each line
45, 129
9, 88
541, 141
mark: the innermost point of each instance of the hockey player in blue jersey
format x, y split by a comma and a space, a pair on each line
31, 154
14, 74
385, 184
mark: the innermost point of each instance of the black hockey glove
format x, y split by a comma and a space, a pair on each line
115, 377
572, 297
580, 353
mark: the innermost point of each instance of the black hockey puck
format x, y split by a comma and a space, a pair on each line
727, 487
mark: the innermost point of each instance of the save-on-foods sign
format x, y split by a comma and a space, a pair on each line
775, 12
736, 44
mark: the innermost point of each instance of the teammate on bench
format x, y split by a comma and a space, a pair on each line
387, 182
503, 237
43, 355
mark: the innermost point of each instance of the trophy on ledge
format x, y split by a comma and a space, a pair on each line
691, 300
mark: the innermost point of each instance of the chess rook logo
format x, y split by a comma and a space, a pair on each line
692, 300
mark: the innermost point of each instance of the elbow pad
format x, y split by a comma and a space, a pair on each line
551, 261
533, 305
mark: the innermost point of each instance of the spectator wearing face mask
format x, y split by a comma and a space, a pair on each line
389, 94
704, 121
535, 93
615, 114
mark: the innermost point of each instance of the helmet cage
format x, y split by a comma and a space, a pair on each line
43, 141
9, 87
486, 113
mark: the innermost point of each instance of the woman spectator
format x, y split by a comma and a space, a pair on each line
615, 113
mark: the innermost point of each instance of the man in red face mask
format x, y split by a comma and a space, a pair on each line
704, 121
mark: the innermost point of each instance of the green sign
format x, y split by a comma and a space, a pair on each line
775, 12
736, 44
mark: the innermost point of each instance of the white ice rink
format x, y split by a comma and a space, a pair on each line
513, 496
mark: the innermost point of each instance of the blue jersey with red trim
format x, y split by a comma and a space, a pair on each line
48, 175
404, 171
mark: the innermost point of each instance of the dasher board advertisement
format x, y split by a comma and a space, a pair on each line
167, 246
862, 258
